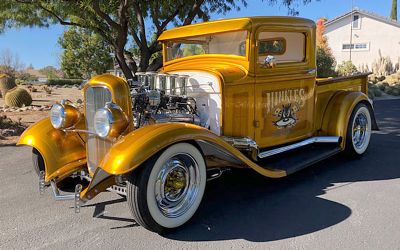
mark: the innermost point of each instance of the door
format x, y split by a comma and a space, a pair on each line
284, 92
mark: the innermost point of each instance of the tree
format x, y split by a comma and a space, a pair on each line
118, 21
50, 72
10, 63
393, 13
85, 53
325, 61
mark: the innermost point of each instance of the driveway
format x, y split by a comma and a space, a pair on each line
338, 204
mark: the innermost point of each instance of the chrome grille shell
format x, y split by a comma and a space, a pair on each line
96, 148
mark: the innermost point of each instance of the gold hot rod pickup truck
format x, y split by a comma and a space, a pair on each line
235, 93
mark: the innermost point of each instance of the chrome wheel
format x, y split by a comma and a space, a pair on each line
177, 185
167, 190
361, 130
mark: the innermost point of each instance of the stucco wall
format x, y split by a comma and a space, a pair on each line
380, 36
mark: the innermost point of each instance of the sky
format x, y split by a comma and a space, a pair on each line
39, 47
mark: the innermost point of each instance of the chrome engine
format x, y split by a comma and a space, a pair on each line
159, 98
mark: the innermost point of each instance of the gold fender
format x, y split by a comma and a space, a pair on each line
141, 144
63, 153
338, 112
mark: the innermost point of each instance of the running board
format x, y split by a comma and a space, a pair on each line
312, 140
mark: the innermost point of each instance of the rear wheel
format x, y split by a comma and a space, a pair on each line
166, 192
358, 131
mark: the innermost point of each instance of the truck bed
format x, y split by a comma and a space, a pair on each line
357, 82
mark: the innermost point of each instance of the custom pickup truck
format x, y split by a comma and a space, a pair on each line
235, 93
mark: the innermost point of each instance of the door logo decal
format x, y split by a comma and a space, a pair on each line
283, 105
286, 115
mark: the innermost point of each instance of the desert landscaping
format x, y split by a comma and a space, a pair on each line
14, 120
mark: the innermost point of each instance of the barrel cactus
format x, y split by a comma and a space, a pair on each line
6, 83
18, 97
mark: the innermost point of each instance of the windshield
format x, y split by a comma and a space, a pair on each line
229, 43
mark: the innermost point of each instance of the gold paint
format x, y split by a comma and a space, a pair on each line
61, 151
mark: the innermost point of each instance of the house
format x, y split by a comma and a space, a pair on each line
362, 37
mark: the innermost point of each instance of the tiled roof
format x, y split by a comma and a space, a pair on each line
366, 13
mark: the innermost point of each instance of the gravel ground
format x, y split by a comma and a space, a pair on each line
338, 204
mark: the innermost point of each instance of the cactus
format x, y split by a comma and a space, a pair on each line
6, 83
18, 97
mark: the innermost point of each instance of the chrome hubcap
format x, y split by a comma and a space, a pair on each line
177, 185
360, 130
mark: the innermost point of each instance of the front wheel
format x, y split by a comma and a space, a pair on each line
358, 131
167, 190
37, 161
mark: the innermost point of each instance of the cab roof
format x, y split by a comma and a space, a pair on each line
233, 24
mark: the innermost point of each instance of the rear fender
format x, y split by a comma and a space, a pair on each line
63, 153
338, 112
141, 144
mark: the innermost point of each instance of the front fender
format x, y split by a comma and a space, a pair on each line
338, 112
62, 152
141, 144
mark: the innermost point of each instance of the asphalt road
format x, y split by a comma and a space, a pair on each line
338, 204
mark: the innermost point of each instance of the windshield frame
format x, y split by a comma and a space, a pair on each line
229, 56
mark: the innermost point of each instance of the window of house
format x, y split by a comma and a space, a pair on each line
355, 46
286, 47
356, 22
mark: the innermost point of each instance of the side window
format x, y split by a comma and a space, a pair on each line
275, 46
242, 48
286, 47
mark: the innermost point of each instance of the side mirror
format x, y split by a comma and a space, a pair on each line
270, 62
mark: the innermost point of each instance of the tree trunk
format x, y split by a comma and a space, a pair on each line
144, 59
120, 57
156, 64
393, 14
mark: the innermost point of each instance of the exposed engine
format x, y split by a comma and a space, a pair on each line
158, 98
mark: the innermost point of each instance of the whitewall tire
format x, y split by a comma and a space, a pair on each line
167, 190
358, 130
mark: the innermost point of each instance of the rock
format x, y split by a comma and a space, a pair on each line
79, 101
373, 78
381, 78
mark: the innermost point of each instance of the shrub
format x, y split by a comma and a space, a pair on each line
64, 82
371, 94
325, 63
347, 68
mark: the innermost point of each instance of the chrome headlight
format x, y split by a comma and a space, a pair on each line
64, 115
110, 121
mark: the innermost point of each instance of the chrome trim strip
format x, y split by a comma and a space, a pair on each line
318, 139
80, 131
